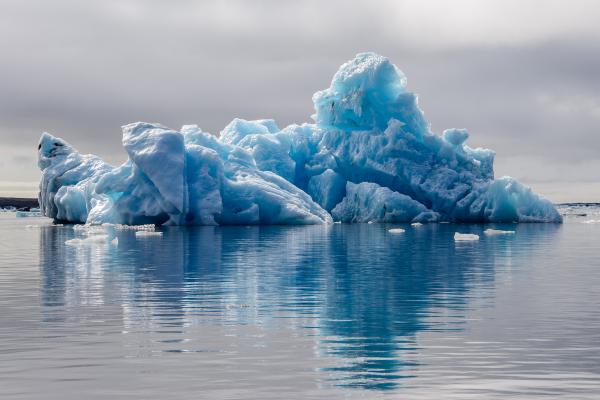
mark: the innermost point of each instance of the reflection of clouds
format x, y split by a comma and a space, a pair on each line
364, 293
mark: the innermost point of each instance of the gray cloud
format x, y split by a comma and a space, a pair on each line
523, 79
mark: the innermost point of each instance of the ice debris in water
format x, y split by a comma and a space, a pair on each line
91, 240
465, 237
90, 229
493, 232
27, 214
416, 224
142, 234
369, 156
396, 230
146, 227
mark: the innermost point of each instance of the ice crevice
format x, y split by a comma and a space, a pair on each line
369, 156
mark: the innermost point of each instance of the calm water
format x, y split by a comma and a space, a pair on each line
343, 311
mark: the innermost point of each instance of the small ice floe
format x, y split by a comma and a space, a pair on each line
370, 222
144, 234
89, 241
90, 230
337, 222
33, 226
416, 224
592, 221
396, 230
26, 214
465, 237
145, 228
494, 232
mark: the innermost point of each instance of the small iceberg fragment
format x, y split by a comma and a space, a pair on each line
396, 230
27, 214
465, 237
493, 232
91, 240
416, 224
146, 227
145, 234
90, 230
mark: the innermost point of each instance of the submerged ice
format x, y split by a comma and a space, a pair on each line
370, 156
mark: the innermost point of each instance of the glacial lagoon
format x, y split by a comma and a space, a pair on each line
301, 312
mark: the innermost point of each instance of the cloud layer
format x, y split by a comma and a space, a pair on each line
524, 79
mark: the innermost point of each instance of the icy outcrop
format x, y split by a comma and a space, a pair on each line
365, 202
171, 178
370, 156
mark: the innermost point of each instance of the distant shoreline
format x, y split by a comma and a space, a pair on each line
18, 202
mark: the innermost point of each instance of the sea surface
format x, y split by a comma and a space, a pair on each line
304, 312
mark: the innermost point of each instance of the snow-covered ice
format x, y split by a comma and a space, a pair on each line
465, 237
369, 156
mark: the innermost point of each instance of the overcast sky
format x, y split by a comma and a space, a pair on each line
522, 76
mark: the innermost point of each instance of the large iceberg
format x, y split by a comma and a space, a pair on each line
370, 156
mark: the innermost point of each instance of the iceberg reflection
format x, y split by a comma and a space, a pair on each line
361, 294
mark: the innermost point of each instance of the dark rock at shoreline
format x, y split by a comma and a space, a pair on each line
22, 204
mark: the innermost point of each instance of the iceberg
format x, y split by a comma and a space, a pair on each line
369, 156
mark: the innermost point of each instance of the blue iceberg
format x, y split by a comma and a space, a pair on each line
370, 156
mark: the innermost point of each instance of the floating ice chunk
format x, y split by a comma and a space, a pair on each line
27, 214
145, 234
492, 232
369, 131
90, 230
396, 230
147, 227
416, 224
460, 237
91, 240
